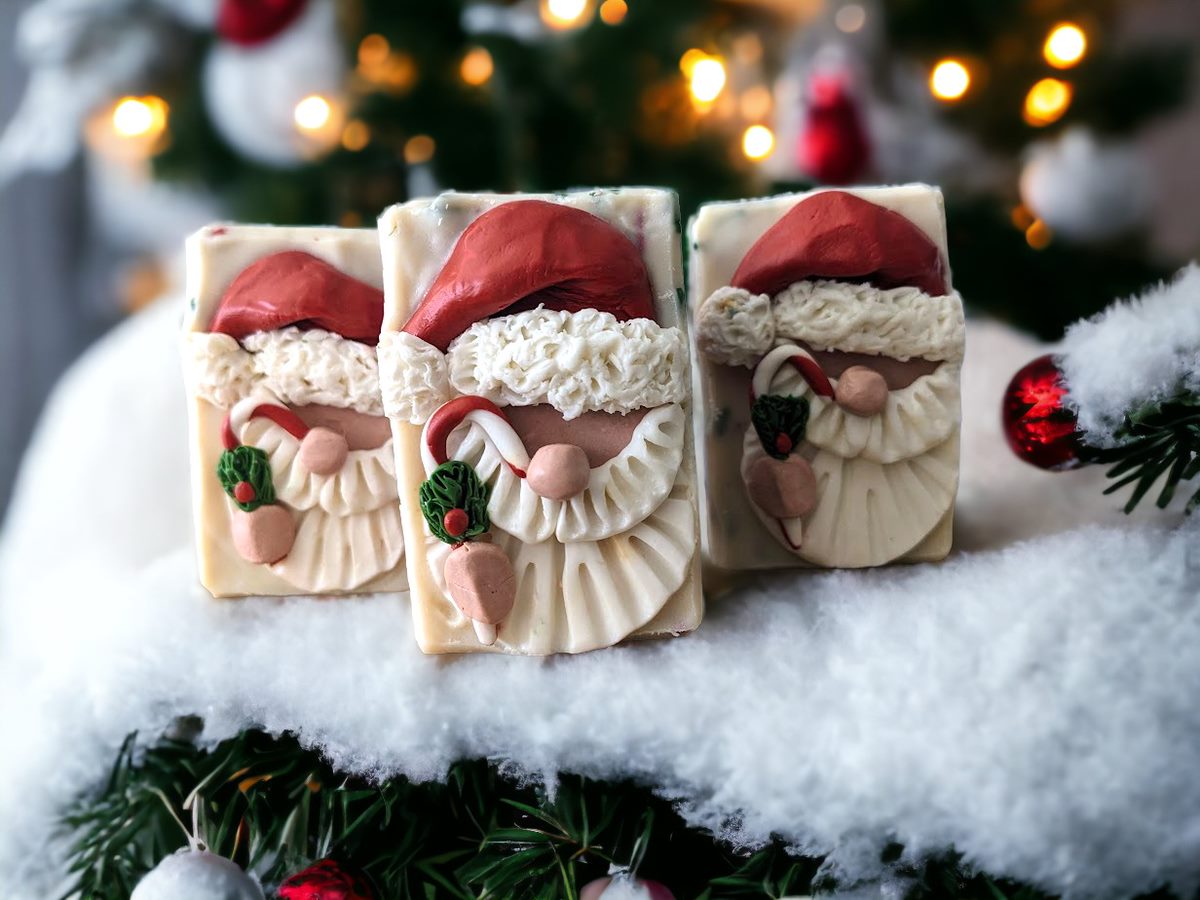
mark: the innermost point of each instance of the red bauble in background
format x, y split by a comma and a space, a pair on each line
1039, 428
250, 22
833, 146
637, 887
326, 879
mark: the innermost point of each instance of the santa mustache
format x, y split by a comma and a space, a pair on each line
554, 471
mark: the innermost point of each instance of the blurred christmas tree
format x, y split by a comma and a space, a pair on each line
322, 111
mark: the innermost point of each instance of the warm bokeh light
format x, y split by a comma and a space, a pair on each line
140, 117
850, 18
1022, 218
757, 142
612, 12
312, 113
350, 219
1038, 235
356, 136
1065, 45
707, 79
419, 149
373, 50
949, 80
563, 13
756, 102
687, 62
476, 67
1047, 101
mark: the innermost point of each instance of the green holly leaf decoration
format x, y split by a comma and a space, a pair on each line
454, 489
780, 422
245, 474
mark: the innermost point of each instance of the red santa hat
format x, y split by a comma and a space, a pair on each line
528, 252
296, 288
838, 236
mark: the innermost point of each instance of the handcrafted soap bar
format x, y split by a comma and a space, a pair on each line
829, 345
293, 477
535, 370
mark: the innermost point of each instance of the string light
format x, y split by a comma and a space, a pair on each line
1047, 101
707, 79
356, 136
612, 12
312, 113
373, 51
850, 18
1038, 235
687, 62
140, 117
758, 142
419, 149
563, 13
949, 80
382, 66
1065, 45
477, 66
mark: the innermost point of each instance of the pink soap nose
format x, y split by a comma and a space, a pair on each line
558, 471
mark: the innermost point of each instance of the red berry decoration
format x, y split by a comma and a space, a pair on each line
243, 492
456, 522
326, 880
1039, 428
783, 443
250, 22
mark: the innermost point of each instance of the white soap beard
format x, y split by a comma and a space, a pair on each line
347, 522
300, 367
735, 327
577, 362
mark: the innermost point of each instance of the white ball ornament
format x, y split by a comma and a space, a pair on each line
277, 102
1085, 190
197, 875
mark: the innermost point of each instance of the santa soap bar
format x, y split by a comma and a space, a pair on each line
535, 371
293, 476
830, 344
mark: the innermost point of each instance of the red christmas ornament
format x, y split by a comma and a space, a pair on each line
251, 22
243, 492
833, 147
1039, 428
326, 880
456, 521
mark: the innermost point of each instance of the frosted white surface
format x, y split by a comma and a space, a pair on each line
1137, 351
1032, 702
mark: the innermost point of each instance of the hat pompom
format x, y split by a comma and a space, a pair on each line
735, 327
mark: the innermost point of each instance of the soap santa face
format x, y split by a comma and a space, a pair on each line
830, 346
293, 475
535, 372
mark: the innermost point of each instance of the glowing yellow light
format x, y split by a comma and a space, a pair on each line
850, 18
419, 149
140, 117
612, 12
748, 48
708, 79
1038, 235
756, 102
1047, 101
1065, 45
949, 80
373, 50
758, 142
1022, 218
476, 67
313, 113
687, 62
356, 136
563, 13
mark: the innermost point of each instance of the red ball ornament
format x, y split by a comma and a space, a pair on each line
1039, 428
243, 492
251, 22
326, 880
833, 147
456, 522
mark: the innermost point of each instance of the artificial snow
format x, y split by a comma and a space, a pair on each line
1137, 352
1031, 701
